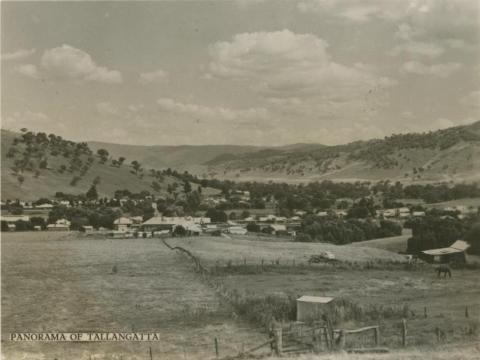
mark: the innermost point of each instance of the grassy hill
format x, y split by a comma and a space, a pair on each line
37, 169
36, 165
446, 155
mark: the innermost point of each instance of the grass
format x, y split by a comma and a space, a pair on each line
376, 288
64, 282
237, 250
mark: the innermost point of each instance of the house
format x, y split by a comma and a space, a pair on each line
279, 229
237, 230
312, 307
404, 212
418, 213
44, 206
454, 253
14, 218
37, 228
86, 228
60, 225
169, 223
122, 224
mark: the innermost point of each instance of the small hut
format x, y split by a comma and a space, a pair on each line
312, 307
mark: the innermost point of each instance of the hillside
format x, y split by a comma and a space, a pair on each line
182, 157
34, 166
445, 155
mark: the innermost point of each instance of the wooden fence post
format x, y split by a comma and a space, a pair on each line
277, 331
466, 311
377, 335
425, 312
216, 348
150, 351
341, 340
404, 332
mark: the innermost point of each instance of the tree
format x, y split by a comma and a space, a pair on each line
187, 187
179, 231
92, 193
473, 238
216, 215
103, 154
253, 227
21, 179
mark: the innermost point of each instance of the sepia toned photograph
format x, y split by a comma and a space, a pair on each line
240, 179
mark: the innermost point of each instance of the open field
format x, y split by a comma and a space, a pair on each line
394, 243
241, 248
64, 282
451, 203
405, 290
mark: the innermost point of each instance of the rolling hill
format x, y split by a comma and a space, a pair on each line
35, 165
41, 166
451, 154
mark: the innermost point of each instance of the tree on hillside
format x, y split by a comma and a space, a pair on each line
136, 166
103, 154
92, 193
187, 187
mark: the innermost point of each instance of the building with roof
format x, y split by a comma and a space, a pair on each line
14, 218
122, 224
158, 223
454, 253
312, 307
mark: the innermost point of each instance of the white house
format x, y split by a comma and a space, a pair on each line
122, 224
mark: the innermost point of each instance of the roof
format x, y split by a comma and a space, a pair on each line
460, 245
457, 247
315, 299
14, 218
123, 221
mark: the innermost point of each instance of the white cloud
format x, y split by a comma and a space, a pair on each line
153, 77
439, 70
36, 121
18, 54
210, 113
106, 109
421, 48
28, 70
366, 10
285, 64
472, 99
71, 63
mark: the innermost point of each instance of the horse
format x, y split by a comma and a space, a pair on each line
445, 269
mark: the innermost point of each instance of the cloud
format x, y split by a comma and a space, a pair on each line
421, 48
18, 54
28, 70
366, 10
106, 109
439, 70
210, 113
285, 64
471, 100
153, 77
70, 63
32, 120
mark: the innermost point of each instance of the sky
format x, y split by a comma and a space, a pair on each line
258, 72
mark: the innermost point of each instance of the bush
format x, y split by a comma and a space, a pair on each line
179, 231
301, 237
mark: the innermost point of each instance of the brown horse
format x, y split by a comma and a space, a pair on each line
443, 269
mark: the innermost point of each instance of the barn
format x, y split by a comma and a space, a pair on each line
454, 253
312, 307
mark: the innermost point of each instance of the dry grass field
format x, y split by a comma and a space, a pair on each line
386, 284
252, 250
64, 282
